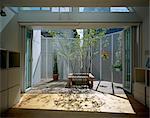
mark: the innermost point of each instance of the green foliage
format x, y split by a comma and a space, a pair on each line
90, 39
118, 66
52, 33
78, 49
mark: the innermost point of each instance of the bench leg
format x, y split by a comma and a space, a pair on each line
70, 83
90, 84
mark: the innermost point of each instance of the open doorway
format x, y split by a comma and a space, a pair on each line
107, 61
104, 60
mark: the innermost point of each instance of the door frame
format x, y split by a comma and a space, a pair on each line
133, 37
29, 76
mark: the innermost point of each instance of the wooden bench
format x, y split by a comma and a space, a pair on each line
81, 79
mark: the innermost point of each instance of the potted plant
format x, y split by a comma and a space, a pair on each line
55, 69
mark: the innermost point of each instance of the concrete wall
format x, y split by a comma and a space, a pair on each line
36, 56
10, 77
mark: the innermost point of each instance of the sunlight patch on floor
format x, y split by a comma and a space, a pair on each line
92, 102
55, 96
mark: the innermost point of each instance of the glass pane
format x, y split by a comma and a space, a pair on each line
28, 56
35, 8
103, 9
30, 8
127, 61
55, 9
64, 9
119, 9
94, 9
25, 8
117, 58
28, 64
45, 8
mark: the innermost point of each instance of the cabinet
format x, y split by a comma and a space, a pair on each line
141, 85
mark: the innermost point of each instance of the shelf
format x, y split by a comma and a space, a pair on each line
141, 85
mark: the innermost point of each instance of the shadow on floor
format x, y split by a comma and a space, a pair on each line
140, 110
42, 113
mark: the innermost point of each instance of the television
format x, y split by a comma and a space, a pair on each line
14, 59
3, 59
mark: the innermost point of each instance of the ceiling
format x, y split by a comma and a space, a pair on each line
75, 3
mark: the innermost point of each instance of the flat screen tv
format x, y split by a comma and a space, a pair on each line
14, 59
3, 59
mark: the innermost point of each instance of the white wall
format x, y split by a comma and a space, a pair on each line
143, 13
5, 20
10, 77
36, 56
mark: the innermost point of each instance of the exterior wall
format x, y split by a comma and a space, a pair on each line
47, 53
36, 56
46, 58
101, 68
10, 77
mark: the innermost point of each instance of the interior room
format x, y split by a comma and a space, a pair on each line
74, 59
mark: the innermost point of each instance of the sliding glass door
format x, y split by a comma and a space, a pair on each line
127, 72
28, 59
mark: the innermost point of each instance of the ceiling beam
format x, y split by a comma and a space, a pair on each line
44, 16
75, 3
77, 25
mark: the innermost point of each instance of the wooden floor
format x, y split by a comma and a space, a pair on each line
140, 112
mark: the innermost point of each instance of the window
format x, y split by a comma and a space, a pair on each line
30, 8
61, 9
103, 9
45, 8
94, 9
119, 9
51, 9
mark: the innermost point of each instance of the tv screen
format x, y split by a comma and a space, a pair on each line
14, 59
3, 59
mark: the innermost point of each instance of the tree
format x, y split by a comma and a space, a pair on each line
79, 50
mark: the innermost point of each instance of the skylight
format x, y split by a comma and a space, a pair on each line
81, 9
29, 8
119, 9
51, 9
103, 9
